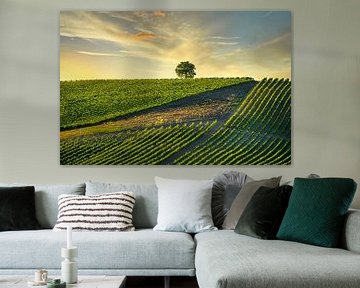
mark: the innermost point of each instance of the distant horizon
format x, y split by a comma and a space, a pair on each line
172, 78
149, 45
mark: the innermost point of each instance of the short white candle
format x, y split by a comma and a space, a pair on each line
69, 237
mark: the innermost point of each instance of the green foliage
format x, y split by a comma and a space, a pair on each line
185, 70
147, 146
258, 133
92, 101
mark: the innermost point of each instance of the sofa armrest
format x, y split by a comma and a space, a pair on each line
351, 234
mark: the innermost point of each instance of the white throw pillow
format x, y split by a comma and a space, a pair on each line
105, 212
184, 205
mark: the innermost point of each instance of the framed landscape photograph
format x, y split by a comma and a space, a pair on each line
175, 88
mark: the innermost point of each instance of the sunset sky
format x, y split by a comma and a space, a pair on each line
118, 45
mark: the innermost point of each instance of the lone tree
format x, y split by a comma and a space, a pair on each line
185, 70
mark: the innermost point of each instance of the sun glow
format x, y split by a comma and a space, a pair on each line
109, 45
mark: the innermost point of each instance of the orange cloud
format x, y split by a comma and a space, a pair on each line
144, 36
159, 13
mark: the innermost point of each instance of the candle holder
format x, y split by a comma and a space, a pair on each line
69, 271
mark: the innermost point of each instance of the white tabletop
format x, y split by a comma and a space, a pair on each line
84, 281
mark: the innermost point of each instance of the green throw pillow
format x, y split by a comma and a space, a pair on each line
316, 211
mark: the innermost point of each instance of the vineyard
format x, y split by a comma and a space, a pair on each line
148, 146
257, 132
87, 102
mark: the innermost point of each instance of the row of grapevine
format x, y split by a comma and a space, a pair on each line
147, 146
240, 149
266, 109
258, 133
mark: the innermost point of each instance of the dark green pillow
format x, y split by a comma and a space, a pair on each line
264, 212
316, 211
17, 208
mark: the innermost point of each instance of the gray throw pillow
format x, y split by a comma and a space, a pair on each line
310, 176
226, 187
184, 205
46, 200
242, 199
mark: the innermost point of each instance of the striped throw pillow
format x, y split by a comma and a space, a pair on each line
105, 212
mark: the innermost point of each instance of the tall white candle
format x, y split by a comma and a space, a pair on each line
69, 237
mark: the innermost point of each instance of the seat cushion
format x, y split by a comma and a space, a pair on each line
144, 249
226, 259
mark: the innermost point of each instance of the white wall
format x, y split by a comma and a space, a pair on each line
326, 91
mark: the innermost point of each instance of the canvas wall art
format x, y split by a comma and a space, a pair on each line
175, 88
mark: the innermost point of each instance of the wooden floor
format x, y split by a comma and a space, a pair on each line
158, 282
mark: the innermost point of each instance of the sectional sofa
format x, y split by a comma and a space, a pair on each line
219, 259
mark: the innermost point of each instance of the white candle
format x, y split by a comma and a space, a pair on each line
69, 237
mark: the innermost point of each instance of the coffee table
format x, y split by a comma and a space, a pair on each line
84, 281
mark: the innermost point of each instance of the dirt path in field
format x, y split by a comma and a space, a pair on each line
217, 104
232, 94
239, 91
222, 94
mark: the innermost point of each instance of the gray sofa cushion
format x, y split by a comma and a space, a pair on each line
46, 200
146, 204
226, 259
143, 249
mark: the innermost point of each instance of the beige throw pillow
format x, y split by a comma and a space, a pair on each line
243, 198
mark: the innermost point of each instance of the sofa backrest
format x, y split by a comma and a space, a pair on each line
46, 200
146, 203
